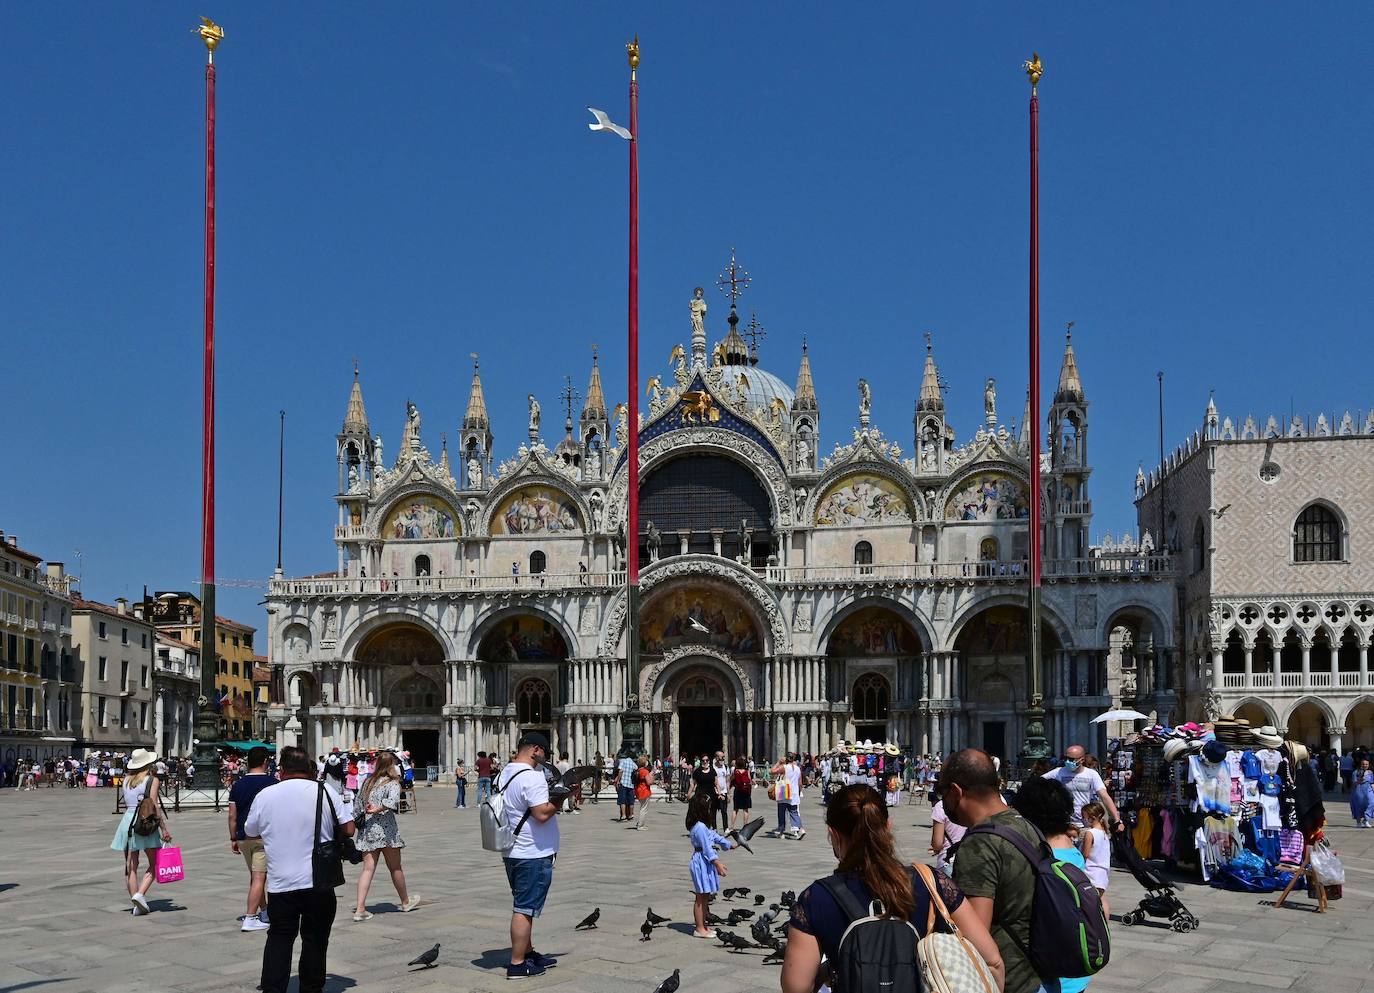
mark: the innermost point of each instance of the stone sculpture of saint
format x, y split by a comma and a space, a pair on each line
474, 473
698, 306
534, 416
594, 463
377, 447
803, 454
746, 542
654, 541
412, 426
597, 506
353, 479
865, 401
990, 401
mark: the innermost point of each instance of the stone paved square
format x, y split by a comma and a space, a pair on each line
68, 927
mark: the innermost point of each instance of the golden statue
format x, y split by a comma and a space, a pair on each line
718, 354
677, 355
1034, 69
632, 50
698, 407
210, 33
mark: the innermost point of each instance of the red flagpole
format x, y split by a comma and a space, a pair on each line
1034, 426
632, 565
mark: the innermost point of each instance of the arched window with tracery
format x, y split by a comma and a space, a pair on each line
1199, 546
863, 557
534, 703
415, 695
538, 563
1317, 535
422, 565
871, 698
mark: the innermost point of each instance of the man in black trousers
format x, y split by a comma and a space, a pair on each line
283, 816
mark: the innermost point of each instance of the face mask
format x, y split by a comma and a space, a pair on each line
1071, 765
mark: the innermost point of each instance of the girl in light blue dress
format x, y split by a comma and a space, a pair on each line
705, 867
1362, 796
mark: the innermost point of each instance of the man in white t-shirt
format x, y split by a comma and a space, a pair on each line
1084, 785
529, 863
283, 817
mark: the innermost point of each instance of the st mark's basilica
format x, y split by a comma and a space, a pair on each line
791, 596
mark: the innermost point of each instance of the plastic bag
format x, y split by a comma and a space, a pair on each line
1327, 864
1249, 861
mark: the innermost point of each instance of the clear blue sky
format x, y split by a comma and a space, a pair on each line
410, 189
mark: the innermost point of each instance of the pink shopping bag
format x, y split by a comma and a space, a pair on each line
169, 868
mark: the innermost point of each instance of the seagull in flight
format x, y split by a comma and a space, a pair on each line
696, 625
604, 123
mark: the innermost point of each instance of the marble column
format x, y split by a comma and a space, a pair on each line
1216, 668
1364, 665
1306, 664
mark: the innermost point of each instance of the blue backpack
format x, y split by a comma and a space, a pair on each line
1068, 930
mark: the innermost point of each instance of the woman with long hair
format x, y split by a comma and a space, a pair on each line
140, 782
856, 822
374, 809
742, 788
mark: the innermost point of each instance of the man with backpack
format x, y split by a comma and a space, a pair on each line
1045, 916
528, 814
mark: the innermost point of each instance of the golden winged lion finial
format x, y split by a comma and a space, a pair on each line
1034, 69
210, 33
632, 50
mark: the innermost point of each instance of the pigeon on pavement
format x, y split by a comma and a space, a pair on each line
646, 931
426, 959
589, 921
776, 955
654, 919
670, 984
743, 890
713, 919
758, 899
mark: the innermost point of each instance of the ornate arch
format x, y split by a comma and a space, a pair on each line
415, 483
871, 464
1260, 704
708, 567
654, 679
1354, 705
484, 624
716, 440
397, 613
997, 465
533, 473
1324, 708
973, 608
1159, 627
859, 600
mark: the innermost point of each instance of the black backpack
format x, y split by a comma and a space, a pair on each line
877, 953
1068, 930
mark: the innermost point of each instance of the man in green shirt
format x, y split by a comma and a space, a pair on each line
996, 878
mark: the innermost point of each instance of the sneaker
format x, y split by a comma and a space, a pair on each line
801, 834
262, 916
543, 961
411, 904
524, 970
253, 924
140, 903
359, 918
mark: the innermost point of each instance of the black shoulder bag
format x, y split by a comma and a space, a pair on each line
327, 856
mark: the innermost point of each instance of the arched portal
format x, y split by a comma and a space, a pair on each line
872, 701
534, 706
518, 638
416, 703
1307, 725
400, 644
699, 613
705, 498
1359, 725
992, 678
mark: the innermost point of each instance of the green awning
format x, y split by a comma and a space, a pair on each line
243, 746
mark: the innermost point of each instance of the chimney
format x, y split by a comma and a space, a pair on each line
13, 540
55, 570
121, 605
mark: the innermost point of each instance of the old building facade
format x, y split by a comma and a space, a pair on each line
114, 652
1273, 527
176, 688
40, 692
177, 615
791, 596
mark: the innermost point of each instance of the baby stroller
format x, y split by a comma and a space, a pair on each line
1160, 898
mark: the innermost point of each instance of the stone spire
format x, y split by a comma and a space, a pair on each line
805, 397
1023, 436
595, 407
355, 420
1070, 386
476, 418
443, 458
931, 398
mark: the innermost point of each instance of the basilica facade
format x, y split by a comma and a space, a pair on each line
791, 596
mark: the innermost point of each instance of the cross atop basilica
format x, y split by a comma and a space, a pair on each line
569, 396
734, 280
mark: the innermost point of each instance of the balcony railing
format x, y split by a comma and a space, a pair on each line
1297, 680
1017, 571
1071, 507
444, 584
352, 532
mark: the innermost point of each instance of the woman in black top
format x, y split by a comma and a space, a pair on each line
856, 824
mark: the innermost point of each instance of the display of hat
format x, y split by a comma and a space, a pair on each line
140, 758
868, 744
1175, 749
1268, 736
1214, 751
892, 749
1297, 752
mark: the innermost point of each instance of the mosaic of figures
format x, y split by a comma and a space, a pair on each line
400, 644
698, 616
536, 510
523, 638
873, 631
989, 497
998, 630
421, 518
859, 500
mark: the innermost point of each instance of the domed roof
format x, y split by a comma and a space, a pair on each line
763, 388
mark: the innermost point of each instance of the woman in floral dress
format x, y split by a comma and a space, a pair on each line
374, 809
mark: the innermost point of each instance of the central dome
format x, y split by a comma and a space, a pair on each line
763, 388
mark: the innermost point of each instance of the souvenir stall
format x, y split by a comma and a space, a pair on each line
1238, 806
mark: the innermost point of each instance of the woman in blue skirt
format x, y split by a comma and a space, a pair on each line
139, 779
1362, 796
705, 867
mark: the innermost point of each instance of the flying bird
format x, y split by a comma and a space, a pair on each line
654, 919
604, 123
697, 626
590, 920
427, 959
646, 931
670, 984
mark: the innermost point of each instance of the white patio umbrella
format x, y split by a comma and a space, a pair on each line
1120, 715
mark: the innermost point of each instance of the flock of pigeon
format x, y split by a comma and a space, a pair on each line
765, 928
